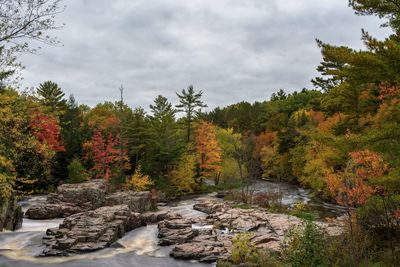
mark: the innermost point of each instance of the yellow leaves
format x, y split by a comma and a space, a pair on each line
304, 116
270, 159
139, 181
182, 176
7, 178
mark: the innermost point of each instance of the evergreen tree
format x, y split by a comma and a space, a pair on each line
163, 141
136, 134
74, 132
191, 104
76, 172
52, 97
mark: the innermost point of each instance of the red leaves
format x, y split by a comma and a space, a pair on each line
47, 130
104, 154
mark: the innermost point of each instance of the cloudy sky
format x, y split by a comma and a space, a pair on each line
233, 50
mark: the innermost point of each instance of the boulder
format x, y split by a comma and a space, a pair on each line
50, 211
70, 199
136, 201
88, 195
209, 206
11, 215
163, 213
205, 248
176, 231
90, 230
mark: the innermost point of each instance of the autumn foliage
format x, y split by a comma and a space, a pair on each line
139, 181
208, 149
47, 130
351, 187
105, 155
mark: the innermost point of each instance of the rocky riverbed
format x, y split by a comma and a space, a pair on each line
99, 226
209, 238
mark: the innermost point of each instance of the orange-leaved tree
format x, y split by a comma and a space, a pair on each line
351, 187
208, 150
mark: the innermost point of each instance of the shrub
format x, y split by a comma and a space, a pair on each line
76, 172
245, 254
302, 210
271, 200
305, 246
139, 181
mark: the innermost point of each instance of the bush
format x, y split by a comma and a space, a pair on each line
303, 211
139, 181
76, 172
305, 246
245, 254
270, 200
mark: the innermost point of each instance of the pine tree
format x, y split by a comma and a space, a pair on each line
52, 97
191, 104
76, 172
163, 142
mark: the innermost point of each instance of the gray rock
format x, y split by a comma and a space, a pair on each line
205, 248
70, 199
163, 213
11, 214
91, 230
175, 231
268, 231
136, 201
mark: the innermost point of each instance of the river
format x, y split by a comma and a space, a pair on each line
19, 248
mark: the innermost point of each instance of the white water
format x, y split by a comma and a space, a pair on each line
139, 247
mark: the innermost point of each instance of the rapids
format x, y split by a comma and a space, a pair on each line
139, 247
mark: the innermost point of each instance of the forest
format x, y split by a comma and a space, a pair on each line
340, 138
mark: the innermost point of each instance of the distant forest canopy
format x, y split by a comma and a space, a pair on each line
344, 130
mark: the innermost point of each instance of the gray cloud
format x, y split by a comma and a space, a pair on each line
233, 50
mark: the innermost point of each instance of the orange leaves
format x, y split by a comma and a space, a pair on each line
388, 91
47, 130
368, 164
262, 140
330, 122
350, 187
208, 149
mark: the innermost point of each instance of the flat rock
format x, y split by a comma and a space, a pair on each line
163, 213
136, 201
91, 230
70, 199
176, 231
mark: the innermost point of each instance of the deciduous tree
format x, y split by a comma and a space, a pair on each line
208, 150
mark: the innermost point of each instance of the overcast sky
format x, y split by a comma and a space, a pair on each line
233, 50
